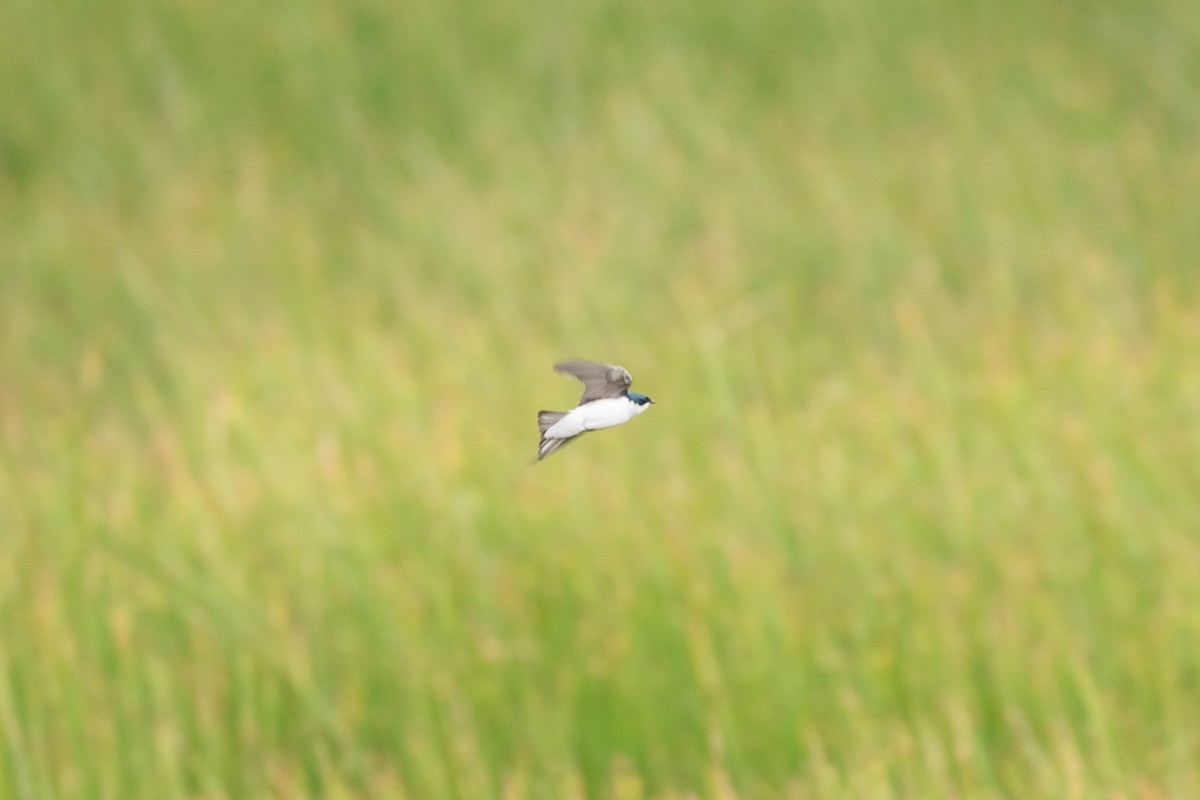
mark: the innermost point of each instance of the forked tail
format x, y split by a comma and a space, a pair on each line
545, 420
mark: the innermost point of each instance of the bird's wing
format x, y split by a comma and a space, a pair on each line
599, 380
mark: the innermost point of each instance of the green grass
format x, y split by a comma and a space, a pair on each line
916, 288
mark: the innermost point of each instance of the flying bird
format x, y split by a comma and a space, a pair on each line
606, 402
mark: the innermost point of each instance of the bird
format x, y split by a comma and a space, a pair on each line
606, 401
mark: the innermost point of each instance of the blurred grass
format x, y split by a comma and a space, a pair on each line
915, 288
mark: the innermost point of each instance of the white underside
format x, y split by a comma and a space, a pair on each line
595, 415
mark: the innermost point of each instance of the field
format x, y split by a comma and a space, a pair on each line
915, 286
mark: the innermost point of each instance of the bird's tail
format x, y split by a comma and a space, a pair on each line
548, 418
545, 420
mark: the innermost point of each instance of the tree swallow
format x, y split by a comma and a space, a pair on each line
606, 402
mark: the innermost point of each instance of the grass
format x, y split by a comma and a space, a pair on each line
917, 513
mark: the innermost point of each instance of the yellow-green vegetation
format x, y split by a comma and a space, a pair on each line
914, 285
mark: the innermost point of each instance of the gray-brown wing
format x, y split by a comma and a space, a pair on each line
599, 380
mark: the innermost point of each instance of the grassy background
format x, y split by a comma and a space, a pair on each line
914, 285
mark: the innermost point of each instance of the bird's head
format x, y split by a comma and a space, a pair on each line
639, 398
